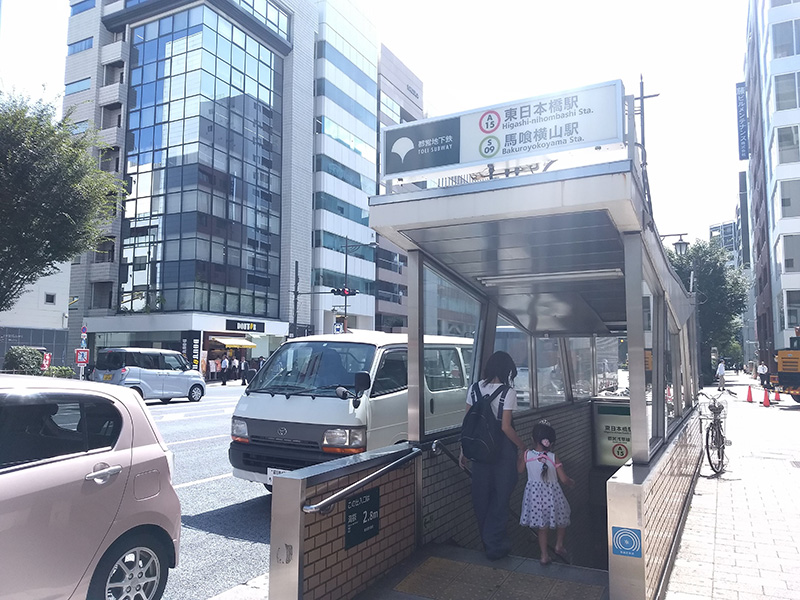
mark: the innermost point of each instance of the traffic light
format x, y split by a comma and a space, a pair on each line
343, 291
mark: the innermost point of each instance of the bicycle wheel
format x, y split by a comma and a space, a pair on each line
715, 447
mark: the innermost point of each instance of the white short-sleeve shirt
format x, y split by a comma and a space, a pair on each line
489, 388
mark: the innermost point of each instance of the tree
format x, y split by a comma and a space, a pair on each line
54, 199
721, 294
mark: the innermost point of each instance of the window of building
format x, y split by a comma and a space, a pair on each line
785, 39
102, 294
326, 164
49, 298
793, 308
78, 86
786, 91
80, 127
790, 198
782, 2
81, 7
390, 108
325, 201
80, 46
791, 253
104, 252
788, 145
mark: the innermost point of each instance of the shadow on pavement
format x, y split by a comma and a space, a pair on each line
249, 521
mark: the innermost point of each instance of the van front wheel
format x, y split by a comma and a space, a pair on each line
166, 400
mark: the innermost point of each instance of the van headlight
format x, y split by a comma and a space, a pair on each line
239, 430
345, 440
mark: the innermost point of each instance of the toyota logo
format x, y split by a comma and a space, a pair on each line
282, 431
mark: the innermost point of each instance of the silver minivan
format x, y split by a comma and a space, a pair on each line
154, 373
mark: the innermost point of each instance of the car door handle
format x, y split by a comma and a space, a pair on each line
104, 474
431, 401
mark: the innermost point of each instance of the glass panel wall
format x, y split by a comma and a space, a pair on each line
452, 316
549, 372
579, 354
516, 342
608, 363
202, 216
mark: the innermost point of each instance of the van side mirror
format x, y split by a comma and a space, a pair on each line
362, 382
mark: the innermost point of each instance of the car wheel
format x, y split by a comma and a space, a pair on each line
166, 400
133, 567
268, 487
195, 393
796, 397
138, 391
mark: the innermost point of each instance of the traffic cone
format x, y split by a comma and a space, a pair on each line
766, 398
749, 394
777, 396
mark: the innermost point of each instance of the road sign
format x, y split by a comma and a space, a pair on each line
81, 356
46, 360
83, 343
83, 330
84, 336
338, 327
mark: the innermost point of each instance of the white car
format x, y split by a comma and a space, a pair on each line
154, 373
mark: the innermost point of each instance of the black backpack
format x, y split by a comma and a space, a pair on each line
481, 432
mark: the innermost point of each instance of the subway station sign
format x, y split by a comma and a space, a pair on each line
505, 134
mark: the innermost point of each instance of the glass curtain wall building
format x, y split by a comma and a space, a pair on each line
201, 227
346, 122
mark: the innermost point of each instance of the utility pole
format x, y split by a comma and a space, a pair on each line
296, 294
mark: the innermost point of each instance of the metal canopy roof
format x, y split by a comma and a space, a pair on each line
548, 248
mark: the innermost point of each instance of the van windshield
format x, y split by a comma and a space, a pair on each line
313, 368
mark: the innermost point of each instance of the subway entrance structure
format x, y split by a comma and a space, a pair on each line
551, 253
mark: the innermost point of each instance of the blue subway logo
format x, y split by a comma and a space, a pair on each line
626, 541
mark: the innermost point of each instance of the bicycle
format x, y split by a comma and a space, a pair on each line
715, 410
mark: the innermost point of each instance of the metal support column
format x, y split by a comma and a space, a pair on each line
660, 338
416, 350
635, 318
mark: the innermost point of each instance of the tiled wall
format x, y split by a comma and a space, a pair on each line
447, 514
666, 491
330, 571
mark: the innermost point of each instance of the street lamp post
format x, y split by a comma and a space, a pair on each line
680, 246
347, 246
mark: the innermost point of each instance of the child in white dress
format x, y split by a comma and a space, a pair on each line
544, 505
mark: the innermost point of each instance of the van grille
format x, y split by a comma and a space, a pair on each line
284, 443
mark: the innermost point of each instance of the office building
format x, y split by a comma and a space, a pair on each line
244, 130
346, 92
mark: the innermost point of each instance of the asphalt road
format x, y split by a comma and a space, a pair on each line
226, 521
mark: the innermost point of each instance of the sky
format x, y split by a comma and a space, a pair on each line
471, 55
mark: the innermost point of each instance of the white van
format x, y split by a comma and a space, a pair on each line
153, 372
290, 415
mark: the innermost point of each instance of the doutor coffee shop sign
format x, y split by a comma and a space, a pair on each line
505, 134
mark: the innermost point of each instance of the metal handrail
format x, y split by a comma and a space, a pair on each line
437, 447
327, 505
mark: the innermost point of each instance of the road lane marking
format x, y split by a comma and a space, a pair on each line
200, 439
201, 481
184, 416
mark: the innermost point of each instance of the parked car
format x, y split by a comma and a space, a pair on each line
87, 507
154, 373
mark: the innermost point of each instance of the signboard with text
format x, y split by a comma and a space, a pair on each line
234, 325
502, 135
612, 434
741, 117
362, 517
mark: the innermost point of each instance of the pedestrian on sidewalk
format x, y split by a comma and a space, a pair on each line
224, 369
544, 505
763, 373
244, 367
494, 482
721, 376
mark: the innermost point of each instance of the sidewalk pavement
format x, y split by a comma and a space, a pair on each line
742, 535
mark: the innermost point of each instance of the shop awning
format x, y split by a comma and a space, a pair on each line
233, 342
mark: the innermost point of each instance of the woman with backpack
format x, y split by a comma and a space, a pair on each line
495, 475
